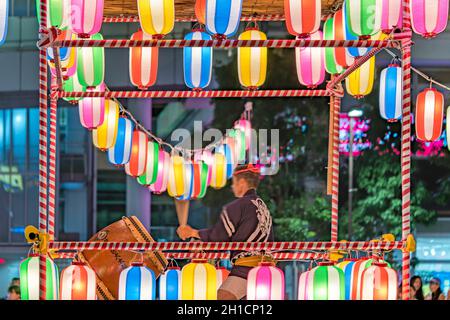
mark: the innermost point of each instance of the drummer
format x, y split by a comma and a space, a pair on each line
246, 219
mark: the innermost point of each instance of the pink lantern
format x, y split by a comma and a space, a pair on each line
265, 282
92, 110
87, 17
163, 173
138, 158
302, 16
429, 114
310, 64
392, 15
429, 17
379, 282
245, 126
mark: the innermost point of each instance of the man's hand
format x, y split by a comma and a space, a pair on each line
185, 232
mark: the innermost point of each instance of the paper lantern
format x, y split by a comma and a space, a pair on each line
162, 177
360, 82
363, 17
78, 282
157, 17
429, 114
429, 17
347, 267
170, 284
391, 92
188, 182
143, 63
265, 282
222, 275
58, 13
200, 179
199, 281
246, 127
207, 157
73, 85
4, 10
219, 171
29, 279
104, 136
91, 64
68, 56
229, 159
303, 286
222, 17
252, 62
92, 110
197, 62
120, 153
379, 282
138, 157
310, 64
87, 17
151, 168
392, 15
177, 174
137, 282
343, 57
357, 270
302, 16
200, 11
326, 282
354, 52
331, 65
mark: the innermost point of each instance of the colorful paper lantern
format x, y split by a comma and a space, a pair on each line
197, 61
163, 173
343, 57
73, 85
200, 10
363, 17
302, 16
188, 181
68, 56
87, 17
379, 282
331, 65
4, 10
91, 64
357, 270
429, 18
207, 157
326, 282
157, 17
252, 62
92, 110
303, 286
78, 282
347, 267
222, 275
353, 51
170, 284
391, 92
200, 179
177, 173
360, 82
229, 159
120, 153
199, 281
429, 114
310, 64
58, 13
392, 15
29, 279
104, 136
246, 127
219, 171
143, 63
265, 282
151, 168
138, 157
222, 17
137, 282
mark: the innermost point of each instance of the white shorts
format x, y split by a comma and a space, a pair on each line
235, 285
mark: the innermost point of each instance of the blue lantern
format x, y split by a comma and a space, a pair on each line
120, 153
223, 17
4, 9
137, 283
170, 284
349, 35
347, 267
197, 62
226, 151
391, 89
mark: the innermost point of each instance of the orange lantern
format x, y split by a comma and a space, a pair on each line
143, 63
429, 114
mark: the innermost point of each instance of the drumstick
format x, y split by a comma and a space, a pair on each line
182, 208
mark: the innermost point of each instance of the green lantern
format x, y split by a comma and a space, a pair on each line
326, 282
29, 279
203, 179
57, 13
151, 168
331, 66
363, 17
91, 64
73, 85
240, 145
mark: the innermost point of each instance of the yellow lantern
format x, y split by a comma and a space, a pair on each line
360, 82
177, 172
104, 137
199, 281
219, 171
252, 62
157, 17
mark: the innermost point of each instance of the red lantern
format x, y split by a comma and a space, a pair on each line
343, 58
138, 158
379, 282
143, 63
78, 282
302, 16
429, 114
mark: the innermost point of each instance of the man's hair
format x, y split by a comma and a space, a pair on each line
251, 176
15, 289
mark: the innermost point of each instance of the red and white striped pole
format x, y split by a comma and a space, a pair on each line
335, 171
42, 149
52, 161
406, 147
